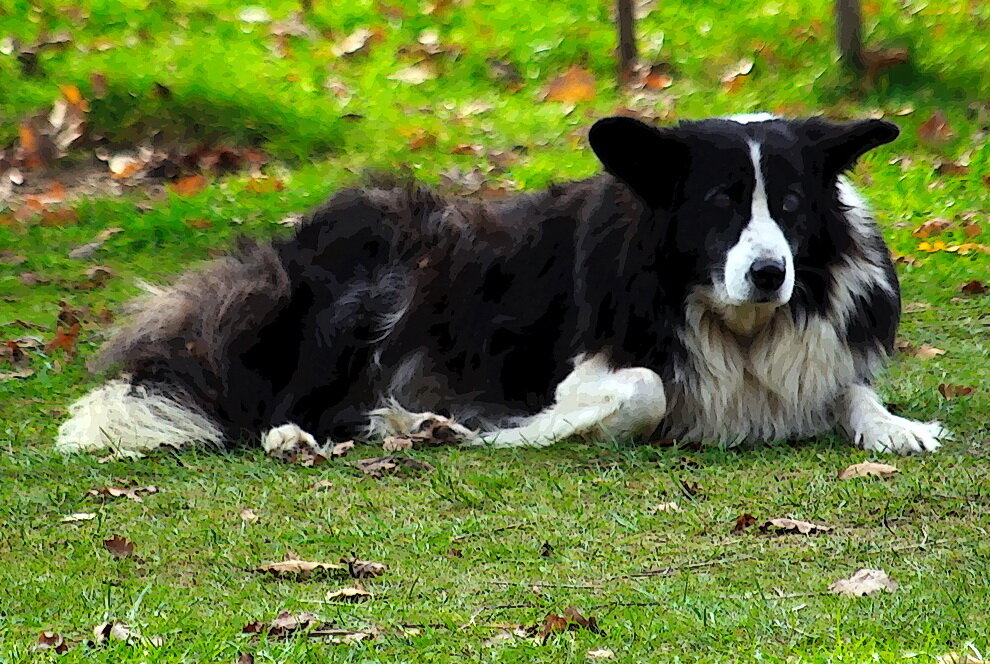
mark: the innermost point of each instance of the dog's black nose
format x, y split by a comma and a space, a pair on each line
767, 274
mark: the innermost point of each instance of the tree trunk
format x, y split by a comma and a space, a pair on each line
848, 30
627, 38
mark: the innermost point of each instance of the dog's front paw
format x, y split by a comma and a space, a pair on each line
895, 435
289, 442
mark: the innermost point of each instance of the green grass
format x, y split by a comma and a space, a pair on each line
727, 597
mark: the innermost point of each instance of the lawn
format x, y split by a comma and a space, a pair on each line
207, 120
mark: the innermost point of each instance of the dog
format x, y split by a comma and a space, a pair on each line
721, 281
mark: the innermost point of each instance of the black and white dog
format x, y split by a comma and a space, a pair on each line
721, 282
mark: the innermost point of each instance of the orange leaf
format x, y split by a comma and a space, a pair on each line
573, 86
74, 97
189, 185
927, 352
950, 391
931, 227
936, 129
64, 340
971, 230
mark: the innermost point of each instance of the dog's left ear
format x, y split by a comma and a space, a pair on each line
841, 145
646, 158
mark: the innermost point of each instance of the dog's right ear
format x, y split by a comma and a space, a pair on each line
646, 158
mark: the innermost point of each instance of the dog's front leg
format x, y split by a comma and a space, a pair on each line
593, 399
873, 427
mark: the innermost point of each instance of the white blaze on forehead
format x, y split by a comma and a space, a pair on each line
761, 239
746, 118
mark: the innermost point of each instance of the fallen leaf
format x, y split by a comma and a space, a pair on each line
951, 168
931, 227
415, 74
864, 582
743, 522
8, 257
292, 567
782, 526
352, 594
363, 569
341, 449
960, 658
670, 506
285, 625
65, 340
573, 86
378, 466
78, 516
18, 373
936, 130
189, 185
134, 493
248, 515
733, 77
867, 469
119, 547
600, 654
87, 250
927, 352
322, 484
397, 443
51, 641
570, 621
353, 43
254, 15
950, 391
974, 287
971, 230
245, 658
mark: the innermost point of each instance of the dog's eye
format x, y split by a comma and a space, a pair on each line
791, 203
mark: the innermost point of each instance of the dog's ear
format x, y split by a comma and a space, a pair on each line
841, 145
646, 158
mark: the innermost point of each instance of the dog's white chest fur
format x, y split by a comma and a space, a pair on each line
766, 378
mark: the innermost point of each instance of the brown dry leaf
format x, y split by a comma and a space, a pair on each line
51, 641
322, 484
961, 658
286, 625
743, 522
931, 228
974, 287
927, 352
65, 340
341, 449
571, 620
379, 466
264, 185
120, 547
397, 443
18, 373
363, 569
248, 515
418, 138
951, 168
784, 526
189, 185
415, 74
573, 86
134, 492
864, 582
245, 658
867, 469
669, 506
876, 61
353, 43
8, 257
293, 568
77, 517
936, 130
971, 230
123, 166
352, 594
600, 654
732, 79
950, 391
87, 250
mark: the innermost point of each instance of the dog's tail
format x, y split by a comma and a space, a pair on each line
183, 349
127, 418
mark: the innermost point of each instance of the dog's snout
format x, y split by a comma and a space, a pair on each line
768, 274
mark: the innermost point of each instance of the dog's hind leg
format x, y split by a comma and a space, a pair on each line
592, 399
874, 428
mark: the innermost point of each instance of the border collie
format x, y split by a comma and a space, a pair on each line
721, 282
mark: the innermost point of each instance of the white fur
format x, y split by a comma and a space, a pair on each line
392, 419
762, 238
782, 381
126, 418
284, 440
592, 399
873, 428
747, 118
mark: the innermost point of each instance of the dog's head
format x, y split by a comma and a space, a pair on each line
746, 198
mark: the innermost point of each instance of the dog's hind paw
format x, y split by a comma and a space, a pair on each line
289, 442
897, 435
